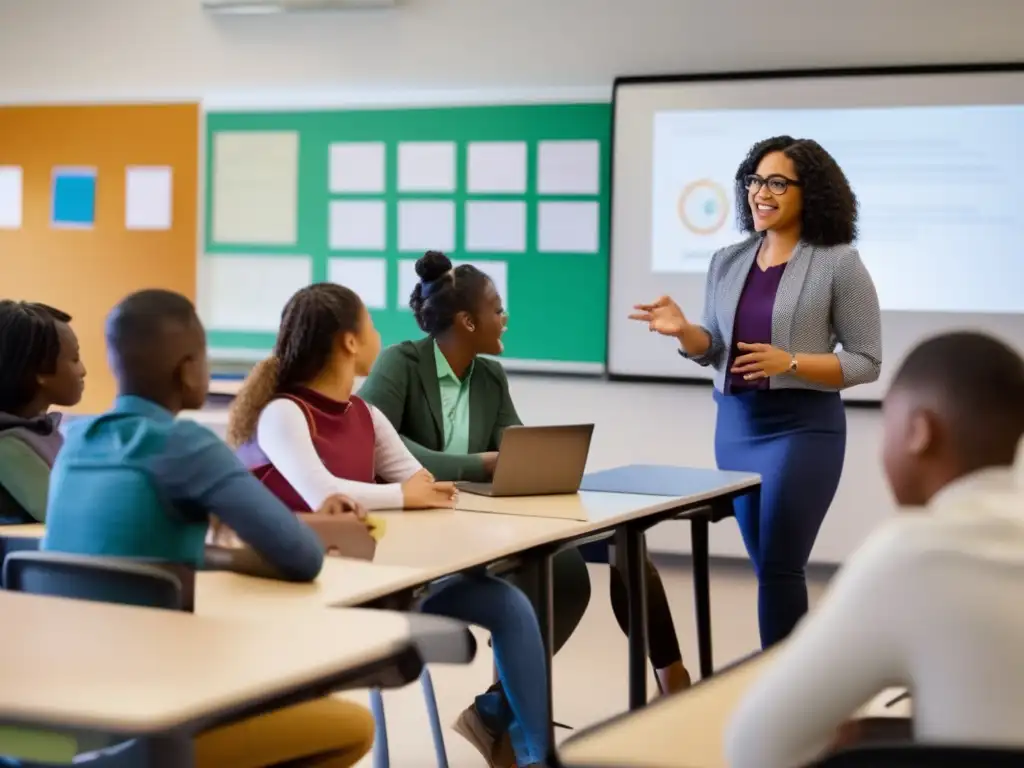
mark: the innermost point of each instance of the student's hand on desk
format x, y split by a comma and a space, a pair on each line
337, 504
490, 461
421, 491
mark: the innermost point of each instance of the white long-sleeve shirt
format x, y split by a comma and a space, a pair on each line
933, 602
282, 433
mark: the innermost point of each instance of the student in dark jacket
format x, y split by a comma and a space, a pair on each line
451, 406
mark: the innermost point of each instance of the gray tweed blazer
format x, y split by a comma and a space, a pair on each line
826, 303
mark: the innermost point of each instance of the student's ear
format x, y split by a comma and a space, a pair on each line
465, 321
193, 377
349, 343
922, 432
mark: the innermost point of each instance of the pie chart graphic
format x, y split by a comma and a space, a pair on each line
703, 207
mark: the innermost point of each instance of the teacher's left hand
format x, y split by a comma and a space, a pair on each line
761, 361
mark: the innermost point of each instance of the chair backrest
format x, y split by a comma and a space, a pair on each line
101, 579
9, 544
924, 756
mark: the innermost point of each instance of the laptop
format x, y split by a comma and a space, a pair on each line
537, 461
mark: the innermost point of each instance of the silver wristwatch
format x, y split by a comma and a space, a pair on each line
792, 364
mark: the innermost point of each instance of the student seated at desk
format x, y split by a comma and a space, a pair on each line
930, 601
301, 430
451, 406
39, 368
136, 482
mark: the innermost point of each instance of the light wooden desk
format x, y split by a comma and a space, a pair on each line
680, 731
141, 672
342, 582
418, 548
484, 530
428, 545
686, 730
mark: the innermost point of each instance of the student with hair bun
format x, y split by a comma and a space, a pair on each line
451, 405
300, 428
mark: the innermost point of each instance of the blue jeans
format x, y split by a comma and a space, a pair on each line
796, 440
508, 615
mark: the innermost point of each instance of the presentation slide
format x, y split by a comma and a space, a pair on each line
934, 159
937, 187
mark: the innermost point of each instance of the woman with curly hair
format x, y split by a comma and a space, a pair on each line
791, 317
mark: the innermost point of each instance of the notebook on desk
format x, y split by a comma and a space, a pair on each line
538, 461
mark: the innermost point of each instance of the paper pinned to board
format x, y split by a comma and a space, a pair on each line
73, 199
148, 197
357, 225
426, 225
368, 277
568, 168
568, 227
11, 196
495, 227
426, 166
497, 167
357, 166
248, 293
255, 187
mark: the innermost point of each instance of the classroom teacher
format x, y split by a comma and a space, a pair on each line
791, 317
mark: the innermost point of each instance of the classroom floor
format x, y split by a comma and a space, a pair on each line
590, 672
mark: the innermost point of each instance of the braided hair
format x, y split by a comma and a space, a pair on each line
29, 348
310, 323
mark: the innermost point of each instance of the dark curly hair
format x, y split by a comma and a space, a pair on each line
310, 323
29, 347
443, 292
830, 207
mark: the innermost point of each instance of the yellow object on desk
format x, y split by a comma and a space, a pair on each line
377, 526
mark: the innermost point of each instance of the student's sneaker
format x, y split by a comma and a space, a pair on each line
496, 748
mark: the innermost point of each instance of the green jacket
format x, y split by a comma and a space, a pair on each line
403, 385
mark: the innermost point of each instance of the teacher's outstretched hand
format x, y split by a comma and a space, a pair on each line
662, 316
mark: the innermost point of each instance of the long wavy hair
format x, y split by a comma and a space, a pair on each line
310, 323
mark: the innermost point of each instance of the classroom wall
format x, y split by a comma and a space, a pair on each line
109, 49
86, 271
105, 48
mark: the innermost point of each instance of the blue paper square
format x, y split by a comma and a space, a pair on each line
74, 198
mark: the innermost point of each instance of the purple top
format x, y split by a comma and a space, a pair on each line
753, 324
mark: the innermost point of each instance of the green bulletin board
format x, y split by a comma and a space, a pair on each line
263, 220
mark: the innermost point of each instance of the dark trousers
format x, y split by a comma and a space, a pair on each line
796, 440
662, 641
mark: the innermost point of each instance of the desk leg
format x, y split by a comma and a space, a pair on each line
631, 543
546, 619
702, 593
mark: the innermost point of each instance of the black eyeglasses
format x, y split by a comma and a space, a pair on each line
777, 184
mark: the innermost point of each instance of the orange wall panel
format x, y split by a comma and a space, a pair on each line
86, 271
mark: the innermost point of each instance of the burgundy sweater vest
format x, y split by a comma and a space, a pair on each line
342, 434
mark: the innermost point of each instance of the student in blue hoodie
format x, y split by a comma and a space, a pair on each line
39, 368
138, 482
